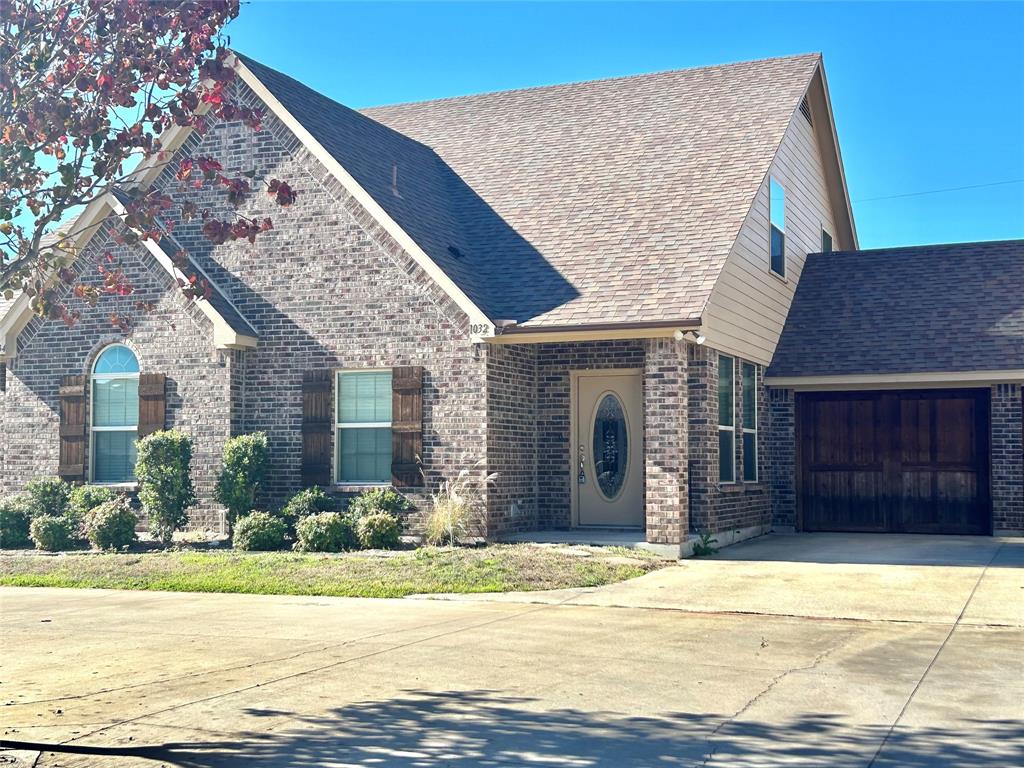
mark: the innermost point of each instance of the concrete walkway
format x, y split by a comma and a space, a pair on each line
783, 651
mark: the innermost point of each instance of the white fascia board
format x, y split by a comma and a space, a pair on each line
224, 336
80, 233
477, 319
897, 380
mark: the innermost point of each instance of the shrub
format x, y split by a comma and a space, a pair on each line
259, 532
325, 532
379, 530
15, 516
385, 500
51, 533
311, 501
84, 498
165, 486
111, 524
245, 463
49, 496
457, 504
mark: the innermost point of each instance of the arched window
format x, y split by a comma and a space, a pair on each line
115, 415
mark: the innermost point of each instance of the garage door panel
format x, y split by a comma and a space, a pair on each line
845, 498
914, 461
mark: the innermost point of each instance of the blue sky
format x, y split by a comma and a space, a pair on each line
926, 96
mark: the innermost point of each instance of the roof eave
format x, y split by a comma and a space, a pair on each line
594, 331
901, 380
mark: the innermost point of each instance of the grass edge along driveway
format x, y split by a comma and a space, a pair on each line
430, 570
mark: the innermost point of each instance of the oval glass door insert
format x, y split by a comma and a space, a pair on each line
611, 451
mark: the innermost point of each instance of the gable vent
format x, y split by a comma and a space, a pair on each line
805, 110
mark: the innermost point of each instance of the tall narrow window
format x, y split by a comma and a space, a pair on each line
826, 242
363, 427
749, 376
726, 419
777, 217
115, 415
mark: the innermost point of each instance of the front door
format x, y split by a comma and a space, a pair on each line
608, 448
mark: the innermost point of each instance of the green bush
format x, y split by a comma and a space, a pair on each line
85, 498
245, 463
49, 496
51, 532
379, 530
325, 532
165, 485
259, 532
385, 500
311, 501
111, 524
15, 516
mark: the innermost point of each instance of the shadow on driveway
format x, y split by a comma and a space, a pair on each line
481, 728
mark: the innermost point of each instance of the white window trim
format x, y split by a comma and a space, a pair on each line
831, 239
732, 427
751, 430
93, 429
781, 275
336, 464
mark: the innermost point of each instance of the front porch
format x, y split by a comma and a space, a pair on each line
544, 405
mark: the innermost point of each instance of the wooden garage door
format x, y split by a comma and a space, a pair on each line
906, 461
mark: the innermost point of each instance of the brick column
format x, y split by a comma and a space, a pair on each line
781, 449
665, 441
702, 448
1007, 458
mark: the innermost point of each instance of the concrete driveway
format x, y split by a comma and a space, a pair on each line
796, 650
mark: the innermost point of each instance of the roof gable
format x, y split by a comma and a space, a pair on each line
611, 201
934, 308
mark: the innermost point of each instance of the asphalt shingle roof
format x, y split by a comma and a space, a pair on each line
942, 308
600, 202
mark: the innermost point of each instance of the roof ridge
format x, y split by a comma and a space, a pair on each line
590, 81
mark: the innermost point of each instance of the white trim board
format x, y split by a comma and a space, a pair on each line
897, 380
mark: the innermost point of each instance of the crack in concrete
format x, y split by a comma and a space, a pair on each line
247, 665
931, 664
766, 690
301, 673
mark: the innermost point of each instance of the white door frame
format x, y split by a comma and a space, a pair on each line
574, 385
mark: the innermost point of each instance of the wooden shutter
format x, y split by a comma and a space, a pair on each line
317, 418
152, 403
406, 426
71, 464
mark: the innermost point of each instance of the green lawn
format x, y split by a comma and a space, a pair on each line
495, 568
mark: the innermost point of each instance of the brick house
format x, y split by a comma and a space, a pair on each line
583, 286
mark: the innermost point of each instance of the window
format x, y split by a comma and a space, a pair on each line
115, 415
826, 242
749, 377
726, 420
363, 427
777, 217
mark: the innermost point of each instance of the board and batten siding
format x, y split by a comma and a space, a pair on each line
748, 306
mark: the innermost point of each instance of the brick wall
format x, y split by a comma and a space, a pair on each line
328, 288
665, 441
1007, 458
715, 506
512, 437
175, 339
780, 455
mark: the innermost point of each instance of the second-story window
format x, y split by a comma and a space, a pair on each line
826, 242
777, 218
